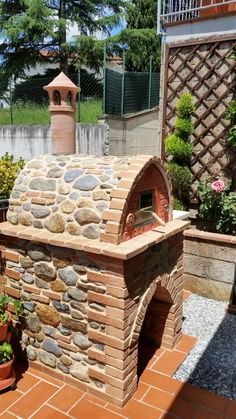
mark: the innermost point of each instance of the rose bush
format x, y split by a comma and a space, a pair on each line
218, 206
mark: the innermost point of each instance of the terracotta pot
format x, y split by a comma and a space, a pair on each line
5, 369
4, 329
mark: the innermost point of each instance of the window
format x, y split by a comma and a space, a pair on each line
146, 200
56, 98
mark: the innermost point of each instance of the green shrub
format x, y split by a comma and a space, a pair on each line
181, 177
183, 128
231, 115
178, 205
9, 170
6, 352
178, 149
185, 106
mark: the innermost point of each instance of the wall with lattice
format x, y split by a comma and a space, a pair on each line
205, 69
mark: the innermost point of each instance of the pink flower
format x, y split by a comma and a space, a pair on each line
218, 185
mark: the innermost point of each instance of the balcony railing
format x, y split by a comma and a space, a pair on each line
172, 11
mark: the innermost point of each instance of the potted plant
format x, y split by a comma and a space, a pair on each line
6, 360
5, 315
9, 170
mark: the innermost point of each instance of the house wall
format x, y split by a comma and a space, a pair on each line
28, 141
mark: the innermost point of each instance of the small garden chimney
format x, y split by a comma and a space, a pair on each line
62, 95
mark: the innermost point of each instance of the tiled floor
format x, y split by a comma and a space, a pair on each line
158, 395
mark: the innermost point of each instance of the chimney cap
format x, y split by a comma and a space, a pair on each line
61, 82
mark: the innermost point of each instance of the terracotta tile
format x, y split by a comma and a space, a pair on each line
169, 362
26, 381
7, 415
66, 398
204, 398
47, 412
230, 411
161, 381
186, 294
182, 408
31, 401
139, 410
45, 377
94, 399
86, 410
141, 390
160, 399
186, 344
7, 398
202, 413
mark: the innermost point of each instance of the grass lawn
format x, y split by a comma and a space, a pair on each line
32, 114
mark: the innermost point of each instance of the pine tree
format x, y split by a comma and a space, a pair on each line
140, 36
35, 31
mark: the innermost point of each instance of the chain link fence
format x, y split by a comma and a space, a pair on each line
25, 101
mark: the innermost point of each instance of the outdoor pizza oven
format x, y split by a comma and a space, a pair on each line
91, 249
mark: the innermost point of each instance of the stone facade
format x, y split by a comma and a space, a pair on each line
209, 264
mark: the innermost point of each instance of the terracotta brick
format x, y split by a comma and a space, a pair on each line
10, 255
48, 195
108, 300
29, 288
103, 318
50, 201
52, 295
68, 346
40, 298
113, 227
12, 274
120, 193
118, 333
118, 204
115, 353
112, 215
96, 355
115, 382
76, 383
107, 340
117, 292
106, 278
125, 183
38, 201
121, 374
109, 238
66, 339
32, 193
12, 292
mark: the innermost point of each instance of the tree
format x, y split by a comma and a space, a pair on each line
140, 36
36, 31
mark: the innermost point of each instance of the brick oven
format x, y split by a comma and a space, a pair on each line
90, 247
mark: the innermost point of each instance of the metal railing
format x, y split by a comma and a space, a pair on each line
170, 11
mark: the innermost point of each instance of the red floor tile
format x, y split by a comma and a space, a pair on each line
204, 398
7, 398
182, 408
159, 399
161, 381
26, 382
47, 412
230, 411
139, 410
169, 362
6, 415
31, 401
45, 377
87, 410
186, 344
141, 390
66, 398
94, 399
202, 413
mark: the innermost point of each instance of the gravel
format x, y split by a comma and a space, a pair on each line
211, 365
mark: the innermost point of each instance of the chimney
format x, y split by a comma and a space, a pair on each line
62, 95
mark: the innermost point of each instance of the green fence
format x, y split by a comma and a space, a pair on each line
131, 92
25, 101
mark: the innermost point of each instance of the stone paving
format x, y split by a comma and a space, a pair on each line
158, 395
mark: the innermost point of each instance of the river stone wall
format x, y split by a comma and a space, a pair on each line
65, 193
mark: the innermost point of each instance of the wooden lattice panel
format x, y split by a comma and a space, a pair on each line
207, 71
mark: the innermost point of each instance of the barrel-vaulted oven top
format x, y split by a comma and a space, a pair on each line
111, 198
